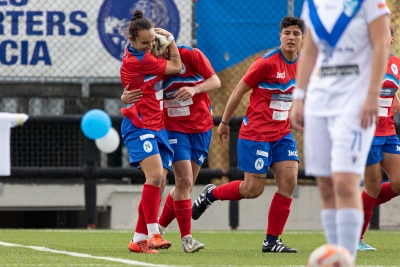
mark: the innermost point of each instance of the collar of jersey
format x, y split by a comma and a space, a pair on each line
337, 31
136, 53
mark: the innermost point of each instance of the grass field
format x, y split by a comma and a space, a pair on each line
223, 248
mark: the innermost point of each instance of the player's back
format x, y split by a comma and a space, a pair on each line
340, 79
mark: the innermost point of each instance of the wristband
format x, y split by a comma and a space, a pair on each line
170, 38
298, 93
226, 123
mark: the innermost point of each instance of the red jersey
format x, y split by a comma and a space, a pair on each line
142, 70
390, 85
272, 78
193, 115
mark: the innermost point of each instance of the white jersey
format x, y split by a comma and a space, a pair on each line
340, 79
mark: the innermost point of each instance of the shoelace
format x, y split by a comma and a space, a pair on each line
188, 241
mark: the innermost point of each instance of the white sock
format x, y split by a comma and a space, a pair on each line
152, 228
349, 222
139, 237
162, 229
328, 219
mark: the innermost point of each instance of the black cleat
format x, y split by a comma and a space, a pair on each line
200, 205
278, 247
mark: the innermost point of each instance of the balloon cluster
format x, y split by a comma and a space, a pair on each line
96, 125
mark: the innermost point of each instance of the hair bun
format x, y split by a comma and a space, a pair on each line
137, 14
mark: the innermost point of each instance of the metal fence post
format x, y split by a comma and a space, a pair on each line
89, 174
234, 128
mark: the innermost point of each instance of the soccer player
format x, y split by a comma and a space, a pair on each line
340, 72
188, 121
384, 152
142, 128
265, 139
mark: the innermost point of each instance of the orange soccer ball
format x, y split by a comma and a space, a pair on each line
330, 256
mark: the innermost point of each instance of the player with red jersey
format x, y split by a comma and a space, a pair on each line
188, 120
385, 149
265, 139
143, 129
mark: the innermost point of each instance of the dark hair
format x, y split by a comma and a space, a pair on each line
290, 20
138, 23
391, 31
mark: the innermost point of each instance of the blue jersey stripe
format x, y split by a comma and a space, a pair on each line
179, 79
278, 86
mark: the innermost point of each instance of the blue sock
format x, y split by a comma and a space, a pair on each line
210, 195
271, 239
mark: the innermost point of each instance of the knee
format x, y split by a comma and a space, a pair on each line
183, 183
252, 192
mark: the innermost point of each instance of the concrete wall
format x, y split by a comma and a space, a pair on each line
123, 201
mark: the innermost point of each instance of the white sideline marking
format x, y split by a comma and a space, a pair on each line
81, 255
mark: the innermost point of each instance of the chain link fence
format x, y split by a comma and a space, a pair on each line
63, 57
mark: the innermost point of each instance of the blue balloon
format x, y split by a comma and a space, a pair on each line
95, 124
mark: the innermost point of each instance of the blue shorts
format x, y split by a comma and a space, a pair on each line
256, 157
383, 144
190, 146
142, 143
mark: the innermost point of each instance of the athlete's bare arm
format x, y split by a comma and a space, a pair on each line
186, 92
381, 46
174, 64
233, 102
306, 64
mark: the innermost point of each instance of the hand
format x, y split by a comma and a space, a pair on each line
132, 96
184, 93
370, 111
223, 132
162, 32
297, 115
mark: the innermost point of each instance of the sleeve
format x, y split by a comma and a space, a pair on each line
152, 65
374, 9
201, 63
256, 73
305, 14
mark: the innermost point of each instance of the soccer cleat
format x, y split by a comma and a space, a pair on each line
362, 246
277, 246
189, 245
158, 242
141, 247
202, 203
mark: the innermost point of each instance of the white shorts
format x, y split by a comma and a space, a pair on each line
336, 144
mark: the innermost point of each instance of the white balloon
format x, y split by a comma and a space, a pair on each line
108, 143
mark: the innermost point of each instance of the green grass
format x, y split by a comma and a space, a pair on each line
223, 248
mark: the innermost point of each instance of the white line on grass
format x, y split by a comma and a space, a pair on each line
81, 255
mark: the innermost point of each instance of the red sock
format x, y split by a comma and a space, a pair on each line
386, 194
168, 212
141, 226
369, 203
151, 202
229, 191
278, 214
183, 211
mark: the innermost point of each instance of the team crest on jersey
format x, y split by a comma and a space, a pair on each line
183, 70
115, 16
395, 69
349, 7
259, 164
147, 146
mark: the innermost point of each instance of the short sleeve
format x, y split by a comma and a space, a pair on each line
201, 63
374, 9
305, 14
